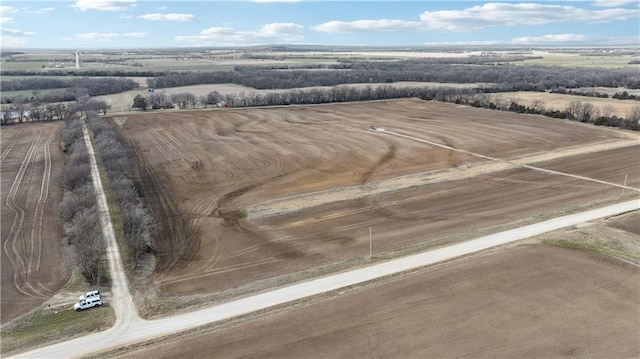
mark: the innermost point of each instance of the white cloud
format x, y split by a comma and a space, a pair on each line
104, 5
7, 9
467, 43
45, 9
552, 39
14, 37
574, 39
126, 16
380, 25
225, 36
167, 17
613, 3
506, 14
5, 19
107, 36
161, 8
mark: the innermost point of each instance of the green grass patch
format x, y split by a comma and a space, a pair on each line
242, 213
44, 326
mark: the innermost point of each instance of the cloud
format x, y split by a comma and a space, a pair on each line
574, 39
167, 17
126, 16
162, 8
107, 36
466, 43
553, 39
7, 9
45, 9
381, 25
225, 36
613, 3
14, 37
5, 19
507, 14
104, 5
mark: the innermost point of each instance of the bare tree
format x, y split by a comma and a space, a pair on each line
573, 110
607, 110
538, 106
633, 118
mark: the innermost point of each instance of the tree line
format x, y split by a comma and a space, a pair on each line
36, 111
78, 210
624, 95
138, 225
520, 78
69, 88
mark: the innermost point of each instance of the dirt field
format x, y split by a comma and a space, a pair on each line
33, 252
558, 101
525, 301
209, 170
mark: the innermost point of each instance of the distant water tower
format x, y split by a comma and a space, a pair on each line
77, 60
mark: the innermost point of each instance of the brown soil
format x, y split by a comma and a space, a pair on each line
34, 262
201, 170
530, 301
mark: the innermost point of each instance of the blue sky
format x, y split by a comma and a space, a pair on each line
143, 23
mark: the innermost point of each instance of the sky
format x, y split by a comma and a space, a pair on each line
90, 24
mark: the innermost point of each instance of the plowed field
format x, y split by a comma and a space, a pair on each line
529, 301
247, 195
33, 251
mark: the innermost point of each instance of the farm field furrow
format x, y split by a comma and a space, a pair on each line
607, 170
33, 252
523, 301
204, 170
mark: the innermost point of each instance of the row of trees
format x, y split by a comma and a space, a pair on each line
94, 86
575, 110
624, 95
137, 224
69, 88
525, 78
35, 111
78, 209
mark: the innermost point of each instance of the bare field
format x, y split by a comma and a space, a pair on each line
557, 101
209, 168
33, 251
578, 60
524, 301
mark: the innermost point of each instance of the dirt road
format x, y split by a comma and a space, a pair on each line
140, 330
121, 299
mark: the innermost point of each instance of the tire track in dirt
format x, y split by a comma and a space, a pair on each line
6, 150
38, 217
171, 140
15, 200
179, 245
11, 201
